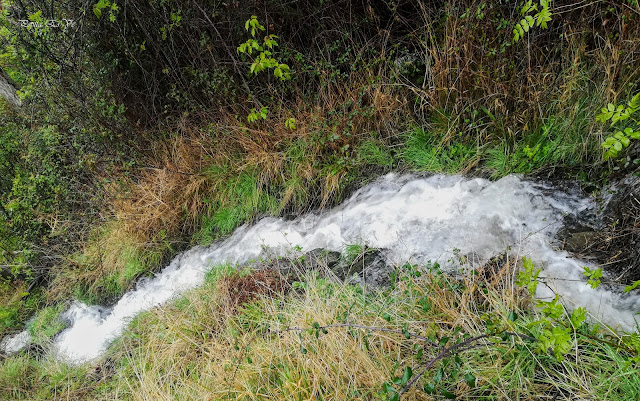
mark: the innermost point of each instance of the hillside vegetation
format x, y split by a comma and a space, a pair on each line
146, 127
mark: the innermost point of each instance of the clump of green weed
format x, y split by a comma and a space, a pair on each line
423, 152
46, 324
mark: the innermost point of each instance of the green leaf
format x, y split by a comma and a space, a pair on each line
528, 277
406, 375
290, 123
448, 395
429, 388
578, 316
438, 376
593, 275
98, 7
406, 332
632, 287
530, 20
617, 146
390, 391
470, 380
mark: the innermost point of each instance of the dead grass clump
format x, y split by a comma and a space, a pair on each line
237, 290
168, 198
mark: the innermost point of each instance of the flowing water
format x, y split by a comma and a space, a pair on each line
415, 219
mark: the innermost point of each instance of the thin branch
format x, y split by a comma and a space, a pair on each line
359, 326
456, 347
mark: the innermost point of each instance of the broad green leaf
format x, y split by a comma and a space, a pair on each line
470, 380
429, 388
438, 376
406, 375
578, 316
617, 146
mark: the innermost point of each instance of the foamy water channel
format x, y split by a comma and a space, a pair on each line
415, 219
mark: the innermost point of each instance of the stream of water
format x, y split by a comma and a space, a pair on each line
415, 219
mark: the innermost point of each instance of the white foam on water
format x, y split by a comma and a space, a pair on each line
416, 219
15, 342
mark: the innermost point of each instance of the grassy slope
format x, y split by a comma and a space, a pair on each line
237, 337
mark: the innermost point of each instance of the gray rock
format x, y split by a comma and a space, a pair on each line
577, 242
8, 90
369, 268
319, 259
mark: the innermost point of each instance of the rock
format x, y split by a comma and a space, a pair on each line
369, 268
8, 90
578, 242
614, 243
319, 258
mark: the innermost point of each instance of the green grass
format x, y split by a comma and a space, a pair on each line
559, 142
46, 323
233, 203
424, 152
17, 309
374, 153
130, 262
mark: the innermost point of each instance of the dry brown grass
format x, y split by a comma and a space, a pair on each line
335, 365
168, 197
168, 194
